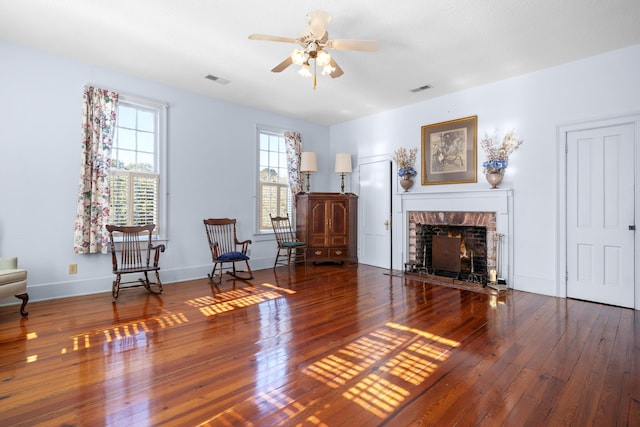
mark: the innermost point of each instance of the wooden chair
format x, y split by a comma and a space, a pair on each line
288, 245
131, 254
226, 248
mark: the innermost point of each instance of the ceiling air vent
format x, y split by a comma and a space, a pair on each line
420, 89
217, 79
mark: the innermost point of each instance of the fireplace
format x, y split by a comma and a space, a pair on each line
479, 217
452, 244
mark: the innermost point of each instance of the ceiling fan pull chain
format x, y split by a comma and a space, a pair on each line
315, 70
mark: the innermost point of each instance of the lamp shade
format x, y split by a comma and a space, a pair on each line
343, 163
308, 162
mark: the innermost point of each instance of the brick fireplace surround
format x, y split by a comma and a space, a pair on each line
486, 208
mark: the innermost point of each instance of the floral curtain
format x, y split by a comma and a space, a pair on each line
99, 108
294, 150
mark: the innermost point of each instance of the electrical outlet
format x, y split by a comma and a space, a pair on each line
73, 268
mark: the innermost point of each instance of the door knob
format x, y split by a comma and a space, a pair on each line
386, 224
632, 227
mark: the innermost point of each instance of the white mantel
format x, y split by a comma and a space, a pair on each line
497, 200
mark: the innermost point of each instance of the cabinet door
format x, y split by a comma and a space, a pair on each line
318, 224
339, 223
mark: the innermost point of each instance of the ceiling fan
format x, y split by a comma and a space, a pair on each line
314, 40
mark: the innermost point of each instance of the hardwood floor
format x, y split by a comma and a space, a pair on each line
328, 346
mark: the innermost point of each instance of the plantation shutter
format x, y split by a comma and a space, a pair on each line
145, 194
134, 198
274, 199
119, 214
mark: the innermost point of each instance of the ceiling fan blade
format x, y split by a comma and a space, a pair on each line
367, 45
338, 71
283, 65
318, 21
272, 38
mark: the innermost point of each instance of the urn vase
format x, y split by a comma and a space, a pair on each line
494, 177
406, 182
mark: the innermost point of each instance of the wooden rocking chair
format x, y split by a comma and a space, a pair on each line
289, 247
130, 254
226, 248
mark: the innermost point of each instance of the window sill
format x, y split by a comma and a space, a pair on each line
263, 237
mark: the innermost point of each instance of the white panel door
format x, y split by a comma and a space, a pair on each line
374, 219
600, 211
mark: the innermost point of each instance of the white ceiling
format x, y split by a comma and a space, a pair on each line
448, 44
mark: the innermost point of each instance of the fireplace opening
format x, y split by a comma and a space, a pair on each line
452, 251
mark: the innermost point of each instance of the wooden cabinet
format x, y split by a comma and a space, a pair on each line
328, 223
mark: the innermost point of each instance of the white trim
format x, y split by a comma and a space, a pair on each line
141, 100
562, 131
374, 159
161, 154
257, 232
163, 170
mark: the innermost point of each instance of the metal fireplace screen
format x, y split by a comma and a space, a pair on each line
446, 254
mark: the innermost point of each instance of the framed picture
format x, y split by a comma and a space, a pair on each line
449, 153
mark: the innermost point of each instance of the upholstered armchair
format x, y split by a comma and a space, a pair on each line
13, 281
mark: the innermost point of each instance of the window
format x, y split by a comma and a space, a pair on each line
274, 196
135, 165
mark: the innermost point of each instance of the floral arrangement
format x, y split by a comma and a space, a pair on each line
406, 160
498, 153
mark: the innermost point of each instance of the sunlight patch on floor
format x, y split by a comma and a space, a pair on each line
278, 288
377, 395
385, 386
223, 302
126, 335
333, 370
273, 404
377, 372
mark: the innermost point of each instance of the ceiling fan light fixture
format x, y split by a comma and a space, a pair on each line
324, 58
298, 57
304, 70
328, 69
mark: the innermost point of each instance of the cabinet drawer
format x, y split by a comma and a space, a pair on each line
338, 253
317, 253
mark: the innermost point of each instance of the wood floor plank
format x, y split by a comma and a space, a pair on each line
329, 345
612, 403
570, 409
599, 363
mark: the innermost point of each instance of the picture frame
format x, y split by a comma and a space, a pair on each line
449, 152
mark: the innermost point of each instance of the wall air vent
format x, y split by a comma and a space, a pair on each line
217, 79
420, 89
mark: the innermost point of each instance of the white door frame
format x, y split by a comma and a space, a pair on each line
562, 131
